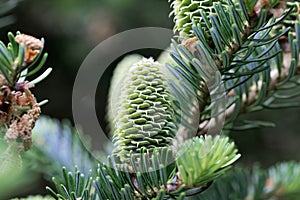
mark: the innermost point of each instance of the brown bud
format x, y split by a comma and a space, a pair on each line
32, 44
190, 44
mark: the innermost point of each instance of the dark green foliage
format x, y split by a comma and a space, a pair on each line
147, 176
278, 182
75, 186
247, 53
109, 182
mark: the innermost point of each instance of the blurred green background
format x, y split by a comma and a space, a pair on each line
72, 28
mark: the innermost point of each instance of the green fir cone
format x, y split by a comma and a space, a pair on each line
145, 115
115, 90
187, 11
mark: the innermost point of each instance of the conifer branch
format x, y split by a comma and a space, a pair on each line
249, 47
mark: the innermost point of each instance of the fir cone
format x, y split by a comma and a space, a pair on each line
187, 11
145, 115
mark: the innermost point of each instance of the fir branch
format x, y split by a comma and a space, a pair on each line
75, 186
19, 109
109, 183
145, 177
278, 77
249, 58
277, 182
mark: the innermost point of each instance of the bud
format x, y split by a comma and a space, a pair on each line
32, 44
